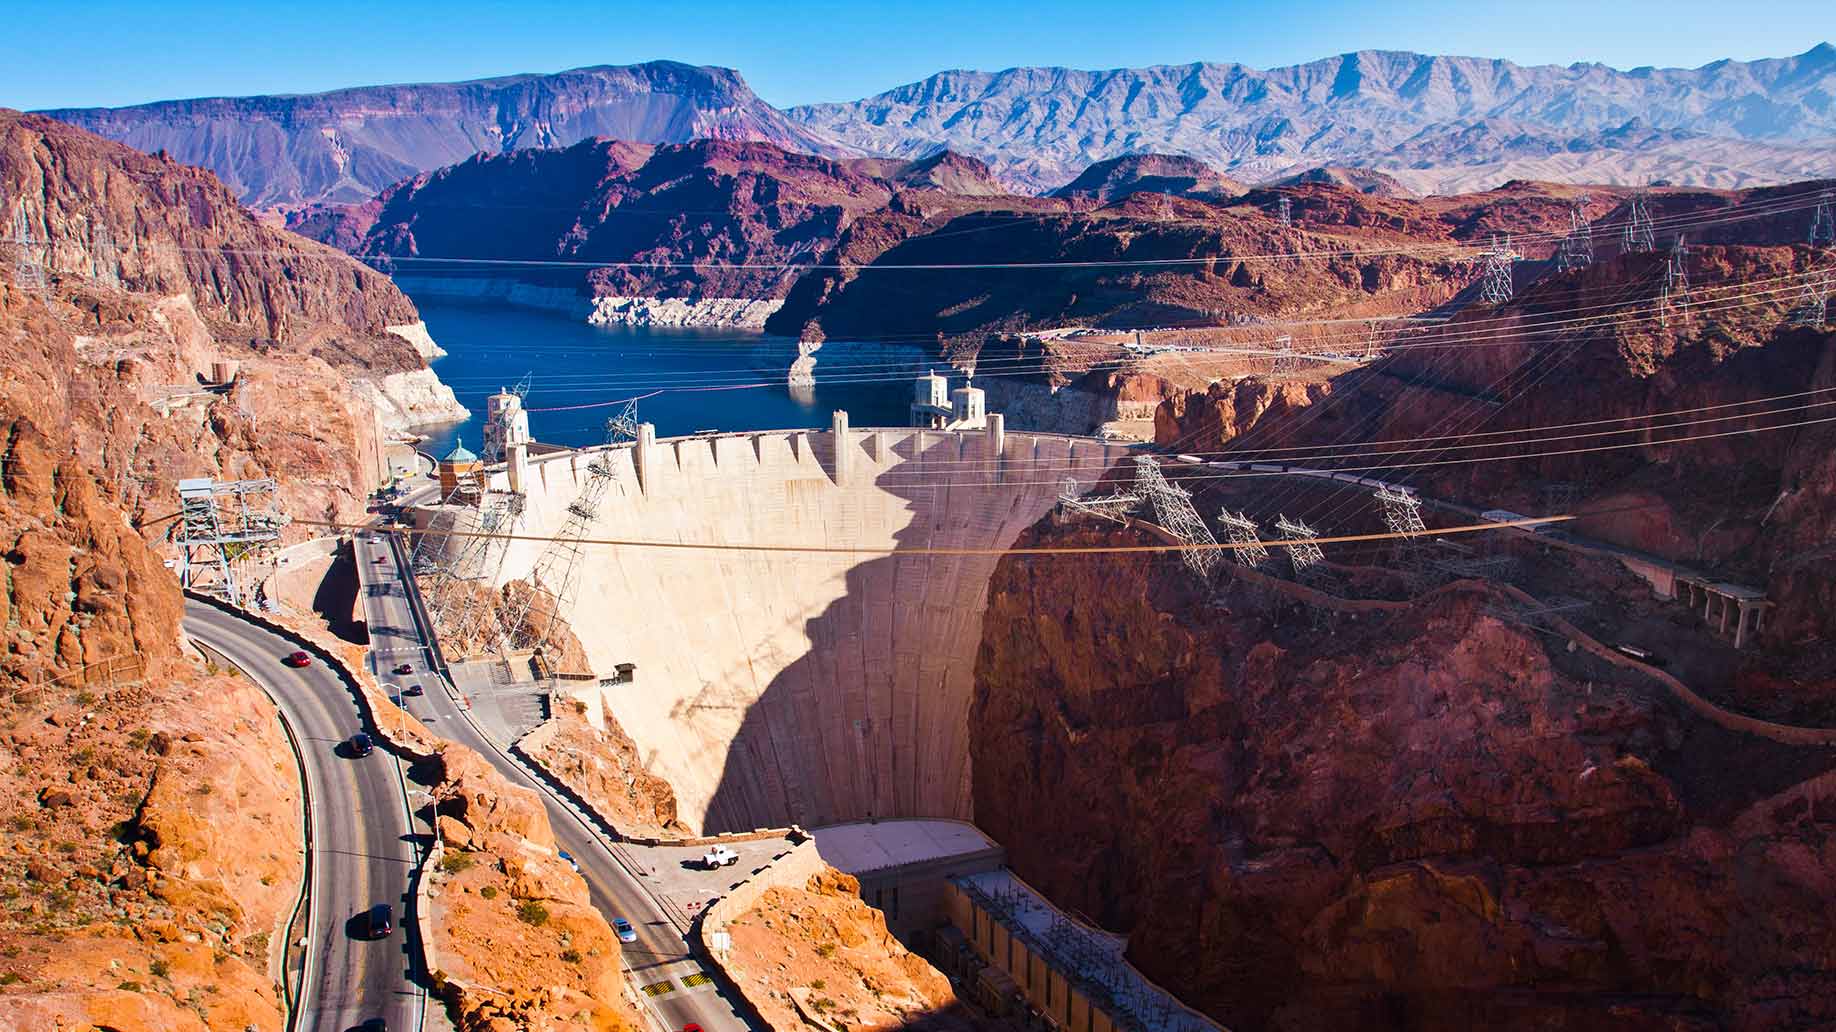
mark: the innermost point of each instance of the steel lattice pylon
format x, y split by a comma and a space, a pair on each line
1173, 509
1495, 280
211, 539
1110, 507
1577, 251
1285, 209
1287, 360
1676, 283
1813, 302
1303, 551
556, 574
1823, 223
1240, 531
459, 567
1637, 237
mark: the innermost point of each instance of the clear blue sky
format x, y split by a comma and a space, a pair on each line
72, 53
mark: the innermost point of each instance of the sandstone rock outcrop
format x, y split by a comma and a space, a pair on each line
514, 929
819, 949
153, 841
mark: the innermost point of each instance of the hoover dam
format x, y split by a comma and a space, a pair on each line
795, 679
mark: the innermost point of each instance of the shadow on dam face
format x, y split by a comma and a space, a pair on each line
781, 687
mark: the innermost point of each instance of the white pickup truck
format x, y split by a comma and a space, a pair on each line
719, 856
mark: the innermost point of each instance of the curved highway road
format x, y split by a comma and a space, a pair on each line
362, 845
662, 956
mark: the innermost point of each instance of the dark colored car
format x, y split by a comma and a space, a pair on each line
380, 559
413, 689
379, 921
403, 668
298, 658
373, 1025
361, 744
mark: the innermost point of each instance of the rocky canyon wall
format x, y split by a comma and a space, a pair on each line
1425, 819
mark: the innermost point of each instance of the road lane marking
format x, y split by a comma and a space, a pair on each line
698, 978
660, 988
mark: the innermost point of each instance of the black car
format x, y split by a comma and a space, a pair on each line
361, 744
404, 668
379, 921
412, 690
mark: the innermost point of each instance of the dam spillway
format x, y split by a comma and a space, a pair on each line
777, 687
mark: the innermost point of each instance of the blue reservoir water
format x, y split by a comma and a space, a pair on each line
572, 364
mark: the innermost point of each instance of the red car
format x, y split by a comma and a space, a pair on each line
691, 1027
298, 659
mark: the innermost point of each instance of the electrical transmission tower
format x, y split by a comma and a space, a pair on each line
1823, 223
459, 568
1287, 360
1240, 530
1373, 348
1173, 509
556, 575
1286, 209
1577, 250
1676, 283
1813, 302
28, 256
1402, 514
1495, 285
1109, 507
1303, 551
214, 537
1636, 237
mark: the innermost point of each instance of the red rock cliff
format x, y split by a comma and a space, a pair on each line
1423, 819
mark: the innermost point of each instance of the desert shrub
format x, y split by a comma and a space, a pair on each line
453, 861
532, 912
159, 968
572, 956
488, 892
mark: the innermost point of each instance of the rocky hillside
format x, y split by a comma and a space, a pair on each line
347, 145
1416, 816
1754, 121
667, 221
1171, 174
151, 808
119, 235
818, 949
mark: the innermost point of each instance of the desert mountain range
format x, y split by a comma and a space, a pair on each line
1435, 124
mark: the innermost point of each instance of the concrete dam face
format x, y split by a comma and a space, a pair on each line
794, 686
